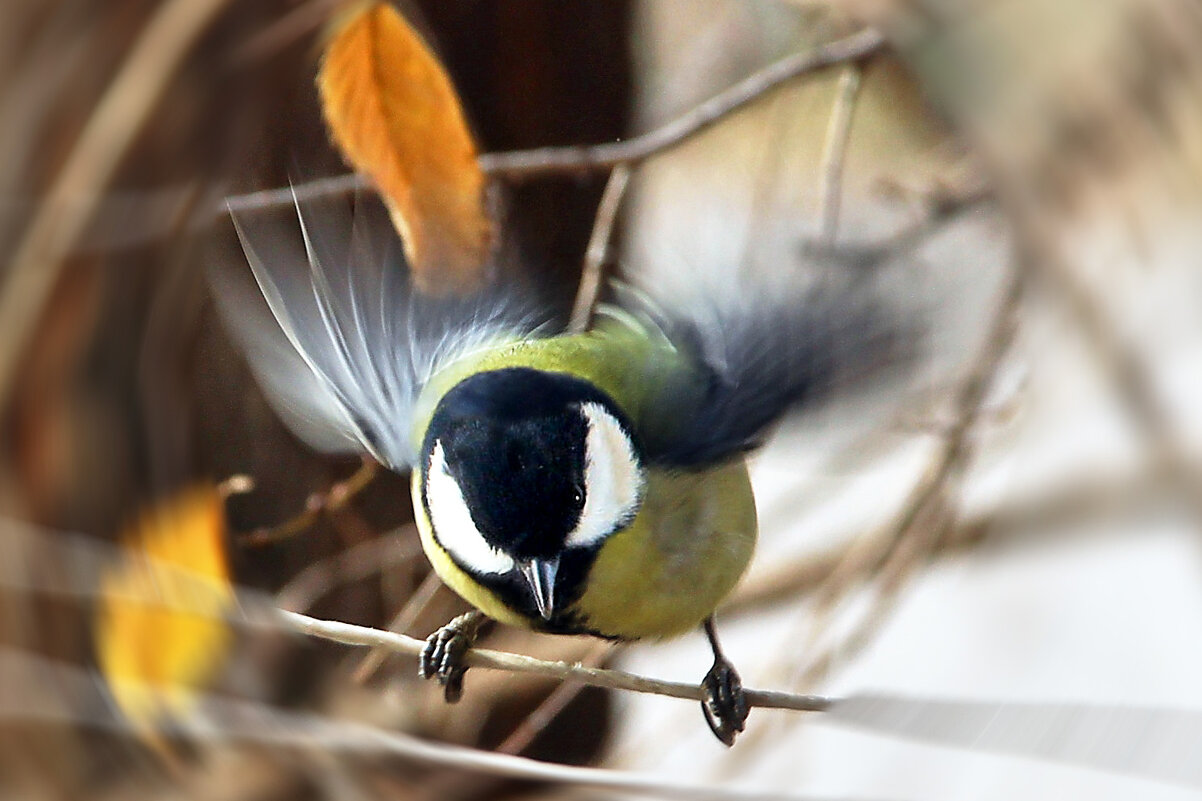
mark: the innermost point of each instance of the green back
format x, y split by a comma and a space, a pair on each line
638, 368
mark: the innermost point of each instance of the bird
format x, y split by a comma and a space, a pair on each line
591, 482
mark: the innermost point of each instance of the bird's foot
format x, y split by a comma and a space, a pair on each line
442, 658
725, 703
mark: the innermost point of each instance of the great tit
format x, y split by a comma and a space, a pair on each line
586, 483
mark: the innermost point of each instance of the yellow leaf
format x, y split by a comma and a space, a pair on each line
394, 114
161, 630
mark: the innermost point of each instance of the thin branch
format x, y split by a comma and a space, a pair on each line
401, 623
953, 452
283, 196
62, 218
45, 684
835, 151
597, 253
349, 634
554, 704
456, 785
331, 501
390, 550
525, 164
291, 27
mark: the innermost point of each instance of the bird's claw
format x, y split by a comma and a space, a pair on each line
442, 657
725, 703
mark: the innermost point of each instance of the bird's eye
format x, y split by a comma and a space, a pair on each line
578, 494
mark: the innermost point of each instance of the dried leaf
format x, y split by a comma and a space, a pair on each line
160, 622
393, 112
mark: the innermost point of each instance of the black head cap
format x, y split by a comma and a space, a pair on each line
514, 440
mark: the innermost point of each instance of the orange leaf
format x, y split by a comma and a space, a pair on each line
161, 630
394, 114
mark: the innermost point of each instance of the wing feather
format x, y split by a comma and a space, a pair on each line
336, 335
748, 355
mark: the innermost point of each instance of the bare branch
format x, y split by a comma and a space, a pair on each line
457, 785
349, 634
45, 683
537, 721
401, 623
283, 196
337, 497
368, 558
525, 164
515, 165
597, 253
834, 151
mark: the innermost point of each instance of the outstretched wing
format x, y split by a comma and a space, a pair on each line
335, 333
749, 354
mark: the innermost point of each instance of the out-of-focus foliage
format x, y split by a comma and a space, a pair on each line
396, 118
160, 622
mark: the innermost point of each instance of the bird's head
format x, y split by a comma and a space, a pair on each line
525, 475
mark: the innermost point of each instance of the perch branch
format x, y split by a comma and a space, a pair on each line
349, 634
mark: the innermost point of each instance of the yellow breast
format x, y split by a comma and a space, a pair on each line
682, 555
659, 577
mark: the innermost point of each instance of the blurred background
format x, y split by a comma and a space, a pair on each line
1016, 517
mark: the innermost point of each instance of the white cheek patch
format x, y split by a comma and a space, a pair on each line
452, 522
613, 479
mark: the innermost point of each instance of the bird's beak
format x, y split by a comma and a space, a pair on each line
540, 575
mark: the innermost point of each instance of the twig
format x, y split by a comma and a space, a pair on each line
597, 253
349, 634
456, 785
309, 190
401, 623
353, 564
62, 218
306, 17
529, 163
222, 719
835, 150
554, 704
337, 497
525, 164
953, 452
